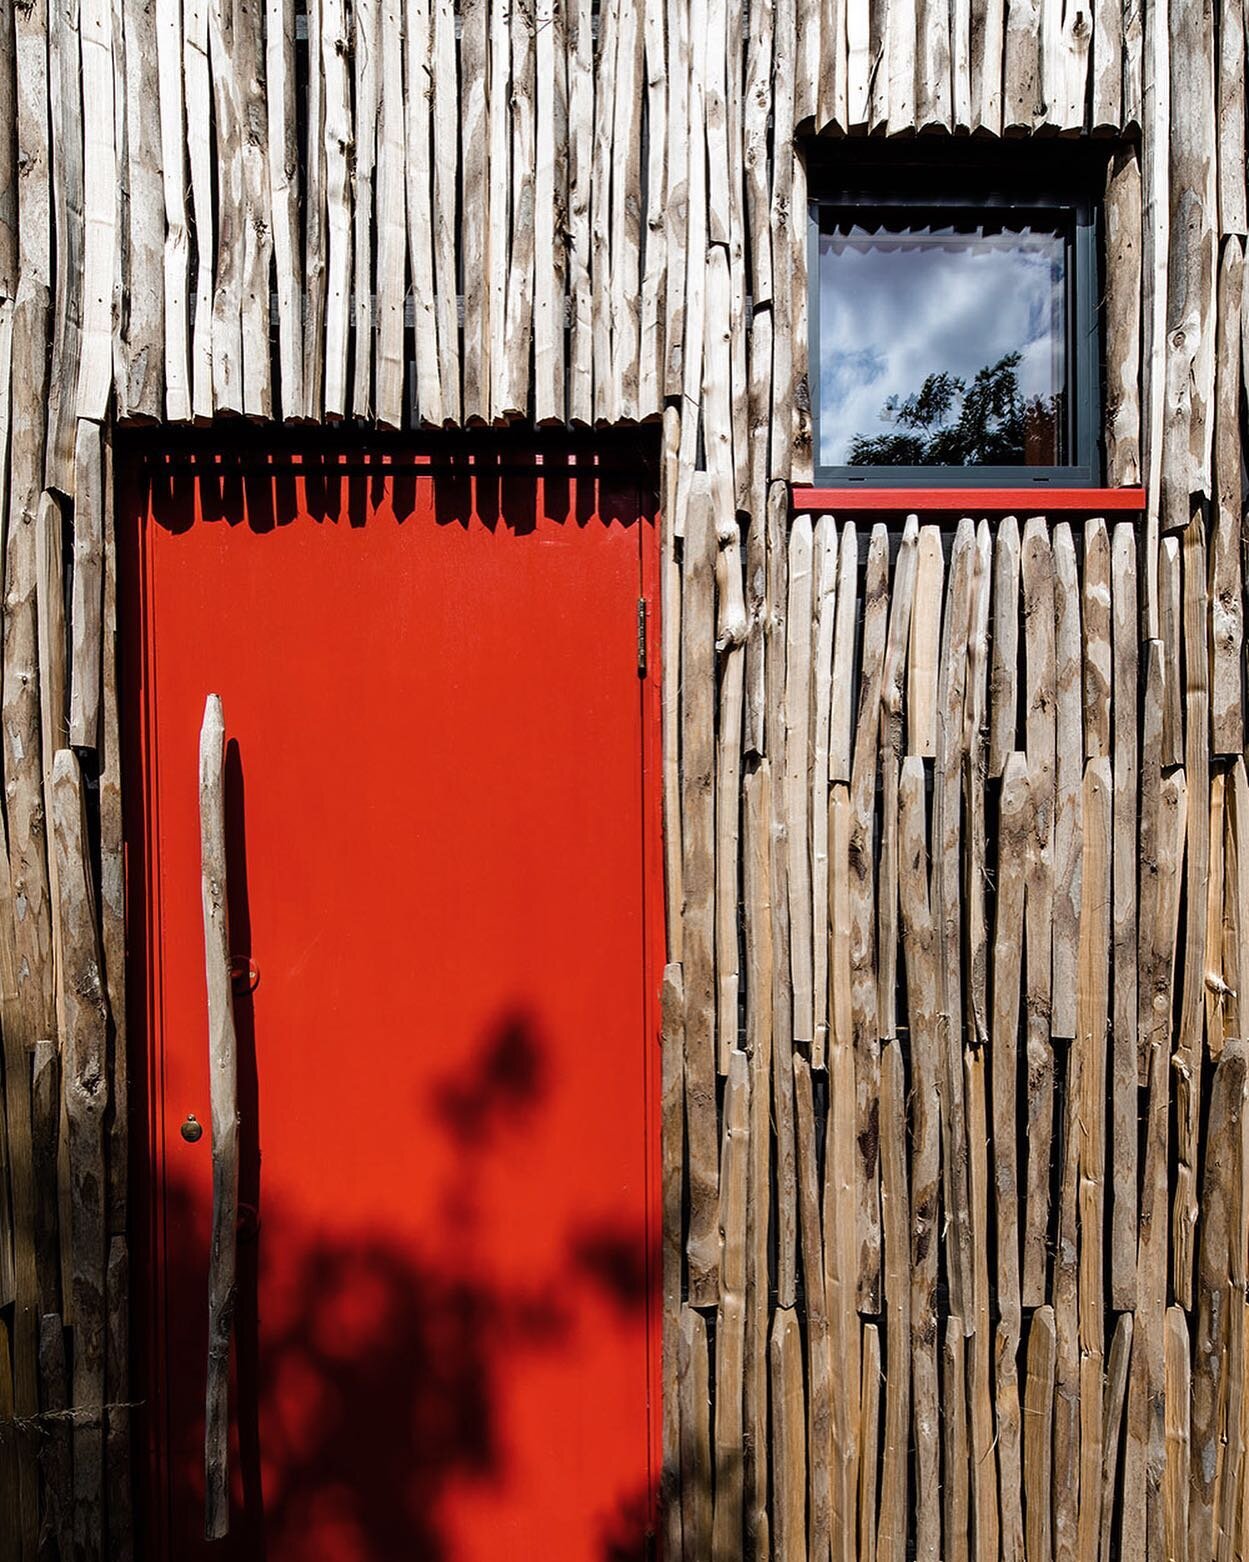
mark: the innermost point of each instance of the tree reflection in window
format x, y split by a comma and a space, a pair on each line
949, 422
944, 338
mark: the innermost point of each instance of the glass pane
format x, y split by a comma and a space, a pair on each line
942, 345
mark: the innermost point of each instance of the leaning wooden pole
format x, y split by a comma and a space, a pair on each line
223, 1084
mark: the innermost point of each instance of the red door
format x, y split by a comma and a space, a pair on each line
443, 863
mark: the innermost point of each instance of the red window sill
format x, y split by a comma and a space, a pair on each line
1037, 500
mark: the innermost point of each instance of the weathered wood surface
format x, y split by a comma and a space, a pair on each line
672, 1153
862, 899
83, 1021
1039, 626
1218, 1321
1003, 683
895, 1221
1055, 1422
1093, 1017
819, 1410
919, 943
1068, 775
758, 942
947, 903
892, 695
1188, 390
824, 565
1190, 1018
698, 878
694, 1396
982, 1439
1123, 303
731, 1316
1004, 1048
1126, 853
223, 1070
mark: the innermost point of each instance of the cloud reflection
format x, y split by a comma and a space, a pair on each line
896, 308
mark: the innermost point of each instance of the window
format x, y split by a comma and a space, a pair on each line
954, 337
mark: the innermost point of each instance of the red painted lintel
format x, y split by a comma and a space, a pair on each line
1038, 500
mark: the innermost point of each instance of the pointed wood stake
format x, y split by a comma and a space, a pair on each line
1004, 677
789, 1452
920, 946
925, 654
83, 1015
1038, 1437
1126, 855
223, 1082
957, 1455
698, 878
672, 1153
1038, 593
819, 1414
895, 1213
731, 1316
1068, 771
1112, 1427
693, 1388
863, 998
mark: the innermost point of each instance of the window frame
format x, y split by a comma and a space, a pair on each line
967, 194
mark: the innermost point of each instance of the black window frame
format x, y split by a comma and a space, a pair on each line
1070, 200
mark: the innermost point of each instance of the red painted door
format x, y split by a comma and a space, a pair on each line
443, 864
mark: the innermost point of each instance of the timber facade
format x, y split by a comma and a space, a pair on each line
955, 1169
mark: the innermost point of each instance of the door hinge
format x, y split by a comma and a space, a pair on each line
641, 637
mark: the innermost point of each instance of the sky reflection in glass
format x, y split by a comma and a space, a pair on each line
899, 307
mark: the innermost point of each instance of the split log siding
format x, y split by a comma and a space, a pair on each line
977, 805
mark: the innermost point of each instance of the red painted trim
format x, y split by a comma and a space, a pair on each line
1038, 500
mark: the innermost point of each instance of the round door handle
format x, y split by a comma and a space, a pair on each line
192, 1130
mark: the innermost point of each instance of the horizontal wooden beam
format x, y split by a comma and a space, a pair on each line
977, 501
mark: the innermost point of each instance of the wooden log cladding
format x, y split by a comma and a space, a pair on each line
955, 816
1044, 1486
